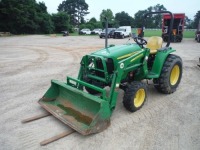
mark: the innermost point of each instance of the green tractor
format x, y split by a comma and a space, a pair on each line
86, 106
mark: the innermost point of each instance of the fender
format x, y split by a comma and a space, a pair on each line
160, 58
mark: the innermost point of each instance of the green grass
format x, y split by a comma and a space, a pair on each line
149, 33
189, 34
76, 34
73, 34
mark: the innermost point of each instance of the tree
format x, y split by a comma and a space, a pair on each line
24, 16
157, 19
41, 7
138, 19
43, 19
61, 22
93, 20
18, 17
123, 19
196, 19
189, 23
106, 13
153, 21
77, 9
45, 23
94, 23
91, 24
109, 14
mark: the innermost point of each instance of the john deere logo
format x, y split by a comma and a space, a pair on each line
122, 65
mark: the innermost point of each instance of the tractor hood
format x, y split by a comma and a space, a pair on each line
118, 52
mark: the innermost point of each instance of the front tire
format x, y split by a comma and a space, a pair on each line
170, 76
135, 96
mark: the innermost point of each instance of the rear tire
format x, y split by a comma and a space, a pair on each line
170, 76
135, 96
198, 39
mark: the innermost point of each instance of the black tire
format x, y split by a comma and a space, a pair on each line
91, 91
135, 96
198, 39
170, 76
122, 36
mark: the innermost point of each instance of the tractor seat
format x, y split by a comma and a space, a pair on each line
154, 43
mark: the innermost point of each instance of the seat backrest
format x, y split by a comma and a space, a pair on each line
154, 43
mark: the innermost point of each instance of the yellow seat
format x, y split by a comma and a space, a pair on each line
154, 43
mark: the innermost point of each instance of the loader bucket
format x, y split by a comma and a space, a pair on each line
81, 111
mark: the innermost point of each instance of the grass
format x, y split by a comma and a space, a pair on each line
76, 34
71, 34
189, 34
149, 33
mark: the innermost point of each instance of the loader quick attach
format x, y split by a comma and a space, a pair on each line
86, 106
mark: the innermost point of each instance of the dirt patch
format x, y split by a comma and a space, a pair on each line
27, 64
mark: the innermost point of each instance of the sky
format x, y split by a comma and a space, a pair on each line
188, 7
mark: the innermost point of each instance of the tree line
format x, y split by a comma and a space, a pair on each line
30, 17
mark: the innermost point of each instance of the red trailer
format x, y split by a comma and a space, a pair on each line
178, 27
197, 36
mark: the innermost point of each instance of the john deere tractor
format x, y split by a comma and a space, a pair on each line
86, 106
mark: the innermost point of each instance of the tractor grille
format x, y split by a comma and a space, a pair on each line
109, 65
99, 66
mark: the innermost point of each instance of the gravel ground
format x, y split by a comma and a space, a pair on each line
28, 63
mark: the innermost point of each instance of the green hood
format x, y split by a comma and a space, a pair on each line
118, 52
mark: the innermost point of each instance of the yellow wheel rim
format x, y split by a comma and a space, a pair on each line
139, 98
175, 73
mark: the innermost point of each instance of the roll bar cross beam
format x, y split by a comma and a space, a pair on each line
170, 27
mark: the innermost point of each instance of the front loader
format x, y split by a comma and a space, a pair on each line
85, 105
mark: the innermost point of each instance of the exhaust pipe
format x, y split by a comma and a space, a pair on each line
106, 34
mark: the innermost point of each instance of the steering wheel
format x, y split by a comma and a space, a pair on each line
140, 41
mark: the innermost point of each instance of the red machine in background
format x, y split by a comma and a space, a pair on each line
197, 37
177, 30
197, 34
